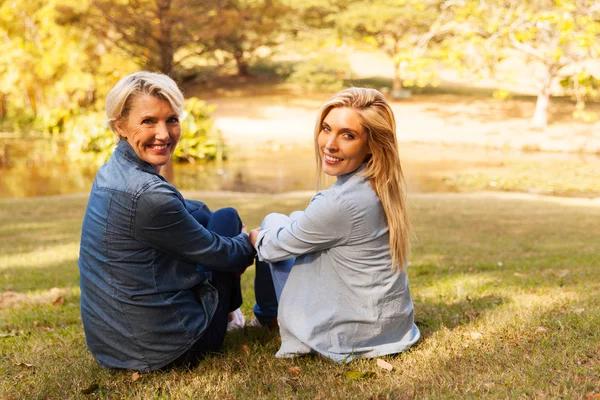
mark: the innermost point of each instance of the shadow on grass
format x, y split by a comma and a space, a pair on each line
430, 316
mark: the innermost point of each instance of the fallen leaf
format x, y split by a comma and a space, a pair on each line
47, 329
22, 364
520, 275
5, 335
471, 314
540, 330
294, 370
489, 385
563, 273
592, 395
357, 375
135, 376
91, 389
58, 301
245, 348
476, 336
384, 364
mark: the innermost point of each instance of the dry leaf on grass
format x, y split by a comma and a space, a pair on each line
476, 335
541, 330
592, 396
384, 364
294, 370
471, 314
59, 301
563, 273
22, 364
135, 376
245, 348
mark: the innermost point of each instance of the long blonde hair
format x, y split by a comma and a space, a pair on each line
383, 168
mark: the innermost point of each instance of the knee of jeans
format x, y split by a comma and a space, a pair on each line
228, 213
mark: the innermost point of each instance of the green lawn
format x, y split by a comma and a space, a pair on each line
506, 291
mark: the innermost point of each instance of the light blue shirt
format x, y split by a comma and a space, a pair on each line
342, 298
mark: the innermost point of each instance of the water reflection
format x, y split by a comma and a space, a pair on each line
36, 168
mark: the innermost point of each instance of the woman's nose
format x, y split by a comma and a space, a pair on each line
162, 132
331, 143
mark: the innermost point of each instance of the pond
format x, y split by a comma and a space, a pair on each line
30, 168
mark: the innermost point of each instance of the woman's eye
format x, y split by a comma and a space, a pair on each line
146, 121
173, 120
325, 128
349, 136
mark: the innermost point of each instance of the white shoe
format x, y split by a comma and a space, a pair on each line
236, 320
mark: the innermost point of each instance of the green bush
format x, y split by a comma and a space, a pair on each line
199, 139
322, 72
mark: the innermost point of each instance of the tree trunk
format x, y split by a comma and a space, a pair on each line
397, 82
2, 105
166, 44
242, 64
540, 116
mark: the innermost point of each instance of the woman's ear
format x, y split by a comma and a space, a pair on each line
119, 127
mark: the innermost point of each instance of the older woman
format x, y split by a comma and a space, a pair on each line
159, 273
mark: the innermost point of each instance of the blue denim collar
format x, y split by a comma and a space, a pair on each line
125, 150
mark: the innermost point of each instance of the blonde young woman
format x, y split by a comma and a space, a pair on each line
338, 267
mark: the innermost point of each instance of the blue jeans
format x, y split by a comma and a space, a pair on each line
268, 284
224, 222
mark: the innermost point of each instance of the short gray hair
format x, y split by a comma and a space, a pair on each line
120, 97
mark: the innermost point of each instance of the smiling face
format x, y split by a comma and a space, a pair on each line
342, 142
151, 128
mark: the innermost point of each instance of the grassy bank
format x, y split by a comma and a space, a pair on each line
505, 290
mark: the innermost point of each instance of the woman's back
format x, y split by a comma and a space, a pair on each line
345, 301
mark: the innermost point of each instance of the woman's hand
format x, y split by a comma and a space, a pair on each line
253, 236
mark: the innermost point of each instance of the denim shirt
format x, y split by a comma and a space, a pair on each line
143, 302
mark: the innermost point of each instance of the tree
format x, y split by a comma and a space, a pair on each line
46, 66
153, 31
554, 34
401, 28
241, 27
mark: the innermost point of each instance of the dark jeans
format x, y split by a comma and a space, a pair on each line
268, 285
224, 222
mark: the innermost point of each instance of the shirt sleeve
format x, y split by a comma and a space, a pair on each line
326, 223
162, 221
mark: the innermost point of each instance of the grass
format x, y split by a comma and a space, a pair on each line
505, 290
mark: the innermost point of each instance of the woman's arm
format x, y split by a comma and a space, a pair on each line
163, 222
326, 223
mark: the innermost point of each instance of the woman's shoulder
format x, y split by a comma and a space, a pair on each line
357, 191
119, 175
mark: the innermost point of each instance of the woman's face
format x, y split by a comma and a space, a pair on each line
152, 129
342, 142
